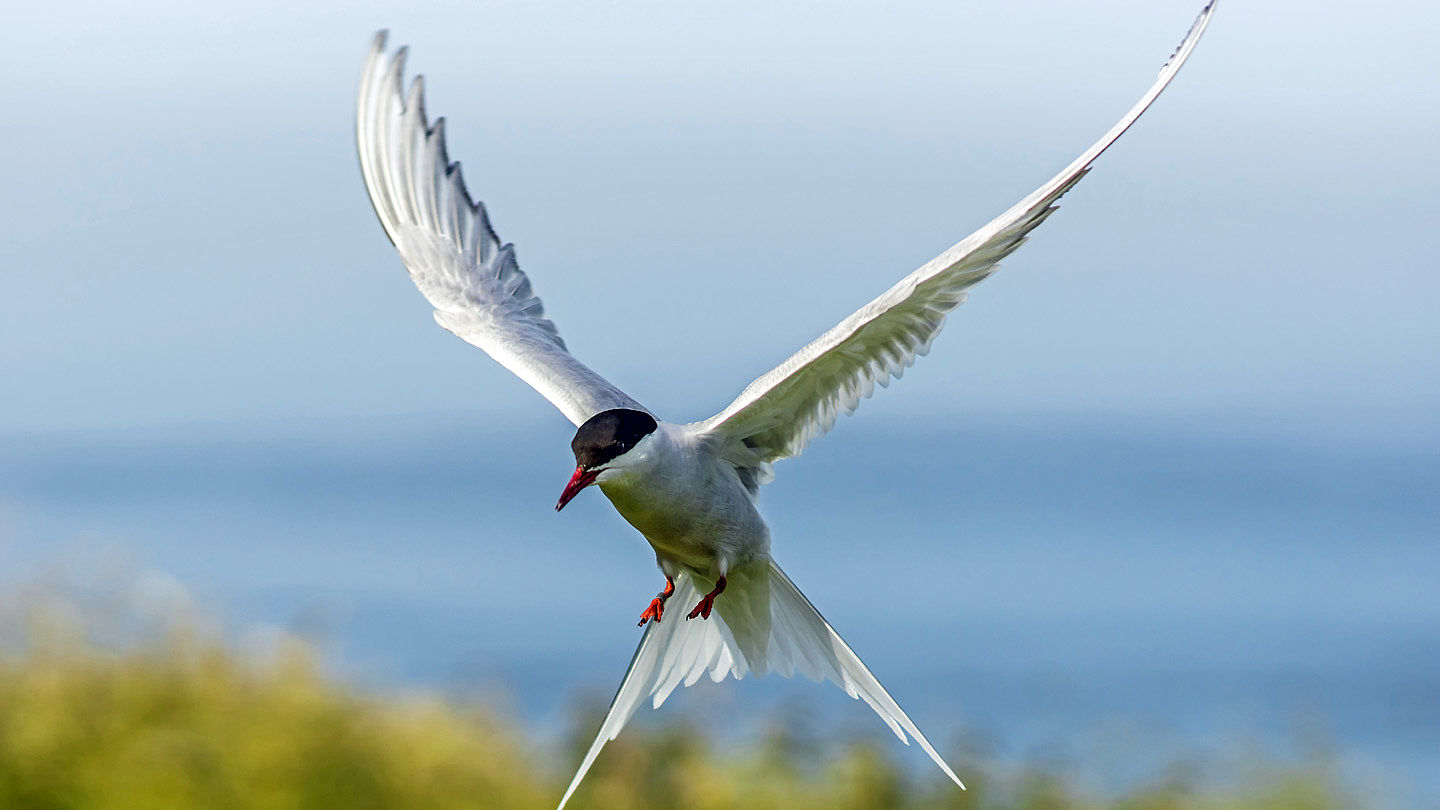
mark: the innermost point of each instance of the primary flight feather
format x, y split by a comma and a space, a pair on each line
690, 489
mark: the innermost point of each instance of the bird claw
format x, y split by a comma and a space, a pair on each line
703, 609
655, 611
657, 605
707, 603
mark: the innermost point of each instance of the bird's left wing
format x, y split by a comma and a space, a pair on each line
452, 253
778, 414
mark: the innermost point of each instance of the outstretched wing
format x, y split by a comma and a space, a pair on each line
762, 624
781, 412
447, 244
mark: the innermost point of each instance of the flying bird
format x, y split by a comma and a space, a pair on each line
689, 488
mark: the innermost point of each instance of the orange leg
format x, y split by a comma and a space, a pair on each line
657, 605
707, 604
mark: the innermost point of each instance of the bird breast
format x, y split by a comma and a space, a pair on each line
691, 506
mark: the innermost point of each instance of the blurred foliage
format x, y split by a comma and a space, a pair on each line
188, 723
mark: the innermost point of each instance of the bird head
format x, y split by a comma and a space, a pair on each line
602, 445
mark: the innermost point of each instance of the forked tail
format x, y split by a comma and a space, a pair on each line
762, 624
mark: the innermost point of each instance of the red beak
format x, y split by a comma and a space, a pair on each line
581, 479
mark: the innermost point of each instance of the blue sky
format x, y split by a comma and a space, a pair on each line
698, 191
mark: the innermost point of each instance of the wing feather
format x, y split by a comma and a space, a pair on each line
780, 413
451, 251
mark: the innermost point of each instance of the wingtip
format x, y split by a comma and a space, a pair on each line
377, 53
1193, 35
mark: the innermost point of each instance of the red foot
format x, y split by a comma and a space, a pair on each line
655, 611
707, 603
657, 605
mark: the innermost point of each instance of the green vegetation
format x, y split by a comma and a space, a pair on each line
188, 724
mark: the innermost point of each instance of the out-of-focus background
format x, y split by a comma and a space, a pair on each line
1154, 524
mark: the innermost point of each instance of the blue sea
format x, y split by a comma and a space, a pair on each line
1100, 596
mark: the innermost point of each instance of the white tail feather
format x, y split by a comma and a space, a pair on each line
762, 623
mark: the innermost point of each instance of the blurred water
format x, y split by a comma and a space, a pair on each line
1102, 595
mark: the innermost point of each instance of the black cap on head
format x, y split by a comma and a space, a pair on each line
608, 434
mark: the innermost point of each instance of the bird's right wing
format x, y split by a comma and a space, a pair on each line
452, 253
777, 415
762, 624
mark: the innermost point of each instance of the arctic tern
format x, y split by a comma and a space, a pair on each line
690, 489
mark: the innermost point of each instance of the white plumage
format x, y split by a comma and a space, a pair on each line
800, 399
445, 240
764, 625
688, 488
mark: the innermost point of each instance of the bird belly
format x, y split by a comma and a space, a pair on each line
704, 529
